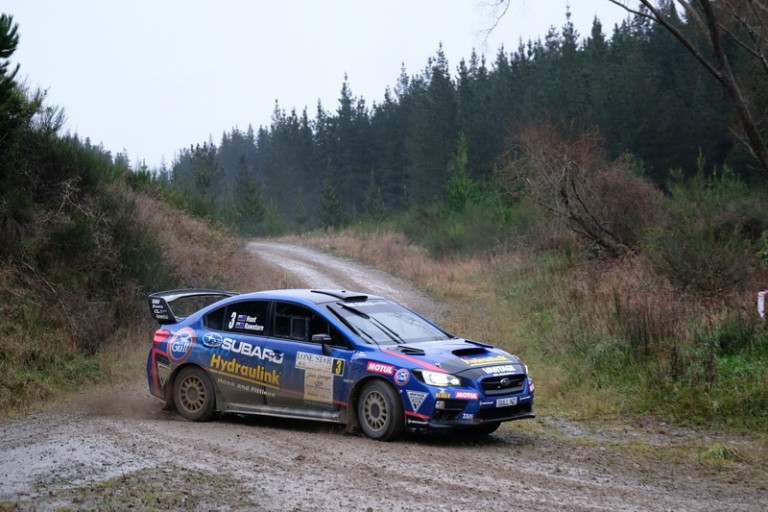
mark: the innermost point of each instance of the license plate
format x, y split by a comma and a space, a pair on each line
506, 402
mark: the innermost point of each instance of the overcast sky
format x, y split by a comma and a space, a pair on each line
150, 77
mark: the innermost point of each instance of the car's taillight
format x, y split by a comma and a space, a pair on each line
160, 336
531, 387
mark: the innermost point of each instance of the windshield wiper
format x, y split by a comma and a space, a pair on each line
356, 330
355, 311
387, 330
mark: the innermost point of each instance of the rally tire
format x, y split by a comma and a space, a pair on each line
380, 412
193, 394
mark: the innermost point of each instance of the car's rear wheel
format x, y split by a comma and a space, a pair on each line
380, 412
193, 394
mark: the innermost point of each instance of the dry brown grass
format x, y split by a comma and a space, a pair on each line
393, 253
204, 254
578, 324
44, 354
471, 287
466, 284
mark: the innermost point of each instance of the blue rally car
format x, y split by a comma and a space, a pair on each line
329, 355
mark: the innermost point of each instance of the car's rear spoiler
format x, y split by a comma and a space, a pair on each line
160, 302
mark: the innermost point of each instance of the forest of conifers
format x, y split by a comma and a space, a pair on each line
641, 89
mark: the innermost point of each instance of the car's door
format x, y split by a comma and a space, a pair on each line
311, 379
243, 365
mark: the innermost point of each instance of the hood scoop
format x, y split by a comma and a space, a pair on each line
411, 350
469, 352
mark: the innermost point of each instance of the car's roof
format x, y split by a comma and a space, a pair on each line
316, 296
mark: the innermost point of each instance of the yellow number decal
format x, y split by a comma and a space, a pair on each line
338, 366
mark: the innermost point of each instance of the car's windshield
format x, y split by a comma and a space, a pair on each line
382, 321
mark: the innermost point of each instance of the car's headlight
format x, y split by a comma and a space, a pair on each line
439, 379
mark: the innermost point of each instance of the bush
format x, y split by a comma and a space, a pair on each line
566, 173
483, 220
709, 243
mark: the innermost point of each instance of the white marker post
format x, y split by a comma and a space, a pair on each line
761, 303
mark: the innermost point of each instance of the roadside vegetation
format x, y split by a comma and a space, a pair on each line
669, 331
627, 281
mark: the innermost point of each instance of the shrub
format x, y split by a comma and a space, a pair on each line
566, 173
709, 242
484, 221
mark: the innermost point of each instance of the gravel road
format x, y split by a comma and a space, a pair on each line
116, 449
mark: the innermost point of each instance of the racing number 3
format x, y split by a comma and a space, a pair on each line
338, 367
232, 319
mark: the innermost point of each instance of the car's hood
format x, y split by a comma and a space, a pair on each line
459, 355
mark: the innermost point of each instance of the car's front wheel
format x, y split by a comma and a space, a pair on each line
193, 394
380, 412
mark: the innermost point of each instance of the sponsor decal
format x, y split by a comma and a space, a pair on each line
466, 416
369, 303
159, 310
498, 370
482, 361
384, 369
248, 327
321, 363
247, 349
256, 374
181, 344
416, 398
244, 322
465, 395
163, 371
212, 340
484, 404
318, 386
259, 390
442, 395
319, 372
402, 376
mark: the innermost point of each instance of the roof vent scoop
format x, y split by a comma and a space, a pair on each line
343, 295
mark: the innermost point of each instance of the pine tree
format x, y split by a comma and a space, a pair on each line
11, 100
9, 40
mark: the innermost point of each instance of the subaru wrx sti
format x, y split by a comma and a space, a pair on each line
329, 355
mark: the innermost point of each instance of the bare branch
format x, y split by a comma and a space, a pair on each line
705, 16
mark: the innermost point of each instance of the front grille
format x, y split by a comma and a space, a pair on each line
503, 385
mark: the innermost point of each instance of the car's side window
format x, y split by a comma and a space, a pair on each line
299, 323
215, 319
292, 321
337, 339
246, 317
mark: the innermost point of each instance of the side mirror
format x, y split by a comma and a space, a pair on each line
321, 338
325, 340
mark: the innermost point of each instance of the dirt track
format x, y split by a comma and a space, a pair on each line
117, 449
